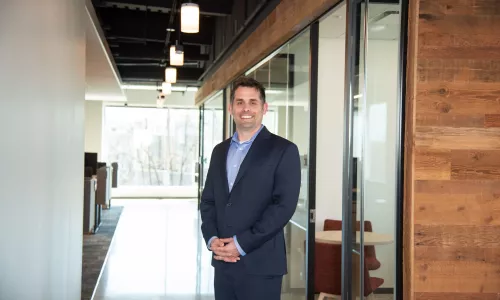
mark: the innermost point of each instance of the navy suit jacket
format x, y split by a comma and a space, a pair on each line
262, 201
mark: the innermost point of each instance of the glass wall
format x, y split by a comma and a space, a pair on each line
211, 115
285, 75
211, 131
357, 145
329, 152
374, 110
357, 142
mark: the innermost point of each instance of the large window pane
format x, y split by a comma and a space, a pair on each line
293, 115
378, 119
153, 147
329, 149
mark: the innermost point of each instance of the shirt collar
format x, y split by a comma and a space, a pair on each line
236, 140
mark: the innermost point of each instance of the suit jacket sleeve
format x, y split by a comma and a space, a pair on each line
207, 204
285, 198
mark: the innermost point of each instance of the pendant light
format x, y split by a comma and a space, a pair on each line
171, 75
166, 88
176, 57
190, 18
160, 101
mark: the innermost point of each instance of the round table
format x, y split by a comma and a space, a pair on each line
370, 238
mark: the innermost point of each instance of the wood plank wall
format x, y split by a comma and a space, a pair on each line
452, 201
287, 19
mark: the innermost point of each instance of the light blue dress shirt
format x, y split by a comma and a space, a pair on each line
235, 156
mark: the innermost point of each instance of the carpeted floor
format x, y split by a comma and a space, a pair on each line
95, 249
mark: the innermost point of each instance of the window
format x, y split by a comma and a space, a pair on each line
153, 147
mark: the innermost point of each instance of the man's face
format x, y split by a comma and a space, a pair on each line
247, 108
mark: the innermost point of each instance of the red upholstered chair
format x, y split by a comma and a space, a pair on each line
370, 255
372, 262
328, 272
328, 268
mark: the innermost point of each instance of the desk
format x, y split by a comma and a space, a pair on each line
370, 239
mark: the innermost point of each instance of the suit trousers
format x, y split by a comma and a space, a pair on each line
234, 284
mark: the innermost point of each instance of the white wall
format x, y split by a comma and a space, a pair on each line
42, 90
330, 133
93, 127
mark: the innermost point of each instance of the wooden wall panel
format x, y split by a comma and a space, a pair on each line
452, 193
287, 19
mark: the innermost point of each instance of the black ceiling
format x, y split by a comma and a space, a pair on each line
136, 32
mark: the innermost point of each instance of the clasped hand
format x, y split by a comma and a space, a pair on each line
225, 249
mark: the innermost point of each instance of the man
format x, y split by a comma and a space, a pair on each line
250, 194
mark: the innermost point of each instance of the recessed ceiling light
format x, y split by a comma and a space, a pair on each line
377, 27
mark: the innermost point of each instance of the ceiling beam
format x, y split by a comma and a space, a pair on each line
165, 7
140, 81
151, 64
154, 51
153, 73
152, 26
188, 40
158, 58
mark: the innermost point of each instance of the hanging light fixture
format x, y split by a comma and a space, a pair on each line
166, 88
160, 100
190, 18
176, 57
171, 75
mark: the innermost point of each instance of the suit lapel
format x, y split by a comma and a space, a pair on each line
223, 165
256, 152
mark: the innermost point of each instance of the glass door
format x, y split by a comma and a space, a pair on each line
353, 209
371, 150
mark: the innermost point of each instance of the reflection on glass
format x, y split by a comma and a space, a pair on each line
153, 147
374, 134
286, 79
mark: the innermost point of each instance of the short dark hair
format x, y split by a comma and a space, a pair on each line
251, 83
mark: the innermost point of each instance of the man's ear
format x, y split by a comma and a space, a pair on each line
266, 107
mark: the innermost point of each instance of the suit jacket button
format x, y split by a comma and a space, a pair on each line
229, 204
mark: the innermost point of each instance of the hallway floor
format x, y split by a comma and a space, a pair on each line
157, 254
